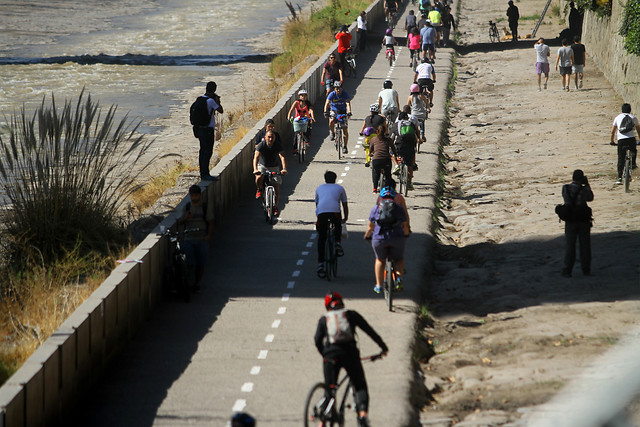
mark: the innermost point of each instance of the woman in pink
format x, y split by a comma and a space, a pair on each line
414, 42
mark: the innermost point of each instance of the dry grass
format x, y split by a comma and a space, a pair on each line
150, 192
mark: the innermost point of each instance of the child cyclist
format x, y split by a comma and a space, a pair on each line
389, 41
303, 110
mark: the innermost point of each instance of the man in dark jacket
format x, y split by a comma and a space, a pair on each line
577, 194
513, 14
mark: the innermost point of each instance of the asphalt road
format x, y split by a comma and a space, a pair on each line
246, 342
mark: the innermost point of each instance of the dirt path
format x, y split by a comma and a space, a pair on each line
509, 331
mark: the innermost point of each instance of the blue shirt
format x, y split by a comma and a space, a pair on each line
428, 35
339, 102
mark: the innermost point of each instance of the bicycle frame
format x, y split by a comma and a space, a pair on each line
626, 172
340, 123
269, 196
330, 257
388, 284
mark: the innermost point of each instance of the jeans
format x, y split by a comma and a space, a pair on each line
577, 230
623, 144
206, 137
322, 228
362, 39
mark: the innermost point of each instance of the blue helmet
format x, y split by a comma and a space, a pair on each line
388, 192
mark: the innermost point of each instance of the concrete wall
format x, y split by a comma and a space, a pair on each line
49, 383
605, 46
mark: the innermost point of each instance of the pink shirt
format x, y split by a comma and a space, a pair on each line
414, 41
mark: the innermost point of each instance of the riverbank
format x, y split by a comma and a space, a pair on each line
509, 332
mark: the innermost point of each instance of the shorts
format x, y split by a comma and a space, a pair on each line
197, 252
426, 82
391, 113
392, 248
334, 113
277, 179
542, 67
565, 70
429, 46
578, 68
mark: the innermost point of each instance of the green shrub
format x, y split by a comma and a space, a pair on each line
600, 7
65, 175
630, 27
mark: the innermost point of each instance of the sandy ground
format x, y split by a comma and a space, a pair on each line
509, 331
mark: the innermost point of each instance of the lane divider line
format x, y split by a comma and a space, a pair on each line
263, 354
269, 338
247, 388
275, 324
255, 370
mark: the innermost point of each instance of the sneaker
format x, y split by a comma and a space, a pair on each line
410, 186
545, 86
580, 85
399, 284
210, 178
377, 289
539, 90
634, 166
568, 90
333, 136
396, 170
619, 181
363, 422
320, 271
258, 194
367, 164
307, 145
375, 190
344, 150
339, 250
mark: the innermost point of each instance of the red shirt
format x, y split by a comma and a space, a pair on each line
344, 41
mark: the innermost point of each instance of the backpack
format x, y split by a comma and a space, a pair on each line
626, 124
338, 327
407, 129
574, 212
199, 112
387, 217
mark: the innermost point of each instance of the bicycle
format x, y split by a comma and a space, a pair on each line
403, 184
330, 256
626, 171
176, 274
494, 36
390, 54
269, 195
389, 283
300, 140
350, 64
320, 410
341, 122
415, 59
422, 138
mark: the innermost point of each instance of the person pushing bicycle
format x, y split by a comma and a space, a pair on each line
335, 340
329, 197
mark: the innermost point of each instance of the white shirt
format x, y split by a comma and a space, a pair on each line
212, 105
388, 97
542, 53
329, 197
618, 120
424, 70
362, 23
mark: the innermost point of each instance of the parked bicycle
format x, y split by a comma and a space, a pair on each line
301, 126
321, 410
268, 199
350, 64
176, 272
494, 36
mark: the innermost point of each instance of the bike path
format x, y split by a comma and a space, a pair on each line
246, 342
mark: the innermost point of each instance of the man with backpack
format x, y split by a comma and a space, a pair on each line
203, 119
198, 226
335, 340
406, 144
622, 131
387, 229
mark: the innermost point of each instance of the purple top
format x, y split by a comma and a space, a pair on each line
396, 231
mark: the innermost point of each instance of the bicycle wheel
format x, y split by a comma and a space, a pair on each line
381, 181
329, 254
270, 204
390, 59
388, 284
300, 147
404, 178
314, 406
626, 172
339, 142
334, 257
347, 402
421, 128
352, 63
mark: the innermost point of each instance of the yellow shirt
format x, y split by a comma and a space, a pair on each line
435, 17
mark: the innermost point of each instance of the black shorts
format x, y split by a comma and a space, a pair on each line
428, 83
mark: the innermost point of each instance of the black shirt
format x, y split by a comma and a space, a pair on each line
269, 155
374, 121
355, 320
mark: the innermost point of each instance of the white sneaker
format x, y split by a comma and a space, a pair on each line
539, 90
580, 83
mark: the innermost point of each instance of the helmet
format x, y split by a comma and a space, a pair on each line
243, 419
302, 92
374, 107
425, 60
389, 31
368, 131
333, 300
428, 21
414, 88
388, 84
387, 192
337, 83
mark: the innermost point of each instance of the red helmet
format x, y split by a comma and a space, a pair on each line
333, 300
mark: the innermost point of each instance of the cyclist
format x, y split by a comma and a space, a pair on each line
335, 340
406, 141
388, 238
425, 76
428, 34
410, 22
340, 103
199, 222
265, 159
414, 42
303, 109
436, 20
368, 133
331, 72
269, 125
625, 138
389, 41
242, 419
399, 199
419, 107
372, 121
388, 101
379, 150
344, 43
390, 7
329, 197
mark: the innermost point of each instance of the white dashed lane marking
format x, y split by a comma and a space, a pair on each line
269, 338
239, 405
255, 370
247, 388
275, 324
282, 310
263, 354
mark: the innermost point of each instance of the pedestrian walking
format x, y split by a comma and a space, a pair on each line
578, 226
565, 60
579, 58
542, 61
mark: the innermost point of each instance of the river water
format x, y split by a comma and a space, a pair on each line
137, 54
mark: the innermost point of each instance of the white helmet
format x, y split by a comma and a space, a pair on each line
302, 92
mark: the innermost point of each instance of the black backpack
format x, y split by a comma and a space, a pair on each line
626, 124
387, 217
199, 112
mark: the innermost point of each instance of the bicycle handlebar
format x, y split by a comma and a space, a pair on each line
374, 357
